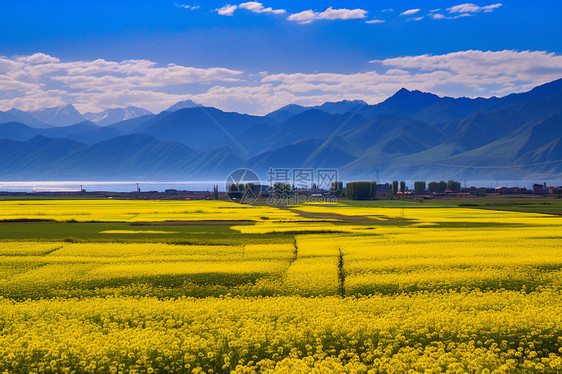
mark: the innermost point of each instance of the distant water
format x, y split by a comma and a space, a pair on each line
502, 183
113, 186
130, 186
511, 183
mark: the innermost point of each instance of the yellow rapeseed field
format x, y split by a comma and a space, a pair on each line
416, 290
138, 211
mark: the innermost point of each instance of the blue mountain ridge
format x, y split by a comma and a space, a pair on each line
410, 135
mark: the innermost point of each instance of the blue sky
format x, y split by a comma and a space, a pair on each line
256, 56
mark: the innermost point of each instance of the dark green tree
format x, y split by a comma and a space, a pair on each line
402, 186
454, 186
361, 190
437, 187
419, 187
373, 190
394, 187
337, 188
238, 190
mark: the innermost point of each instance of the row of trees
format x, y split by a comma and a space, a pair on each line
354, 190
442, 186
361, 190
419, 188
398, 186
241, 191
454, 186
437, 187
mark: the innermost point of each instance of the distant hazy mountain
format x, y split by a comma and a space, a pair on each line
201, 128
58, 116
313, 123
403, 103
129, 155
434, 109
128, 126
16, 115
341, 107
96, 135
138, 156
36, 158
334, 153
285, 112
411, 135
110, 116
392, 135
68, 115
19, 131
182, 105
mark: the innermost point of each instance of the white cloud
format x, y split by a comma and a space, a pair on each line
30, 82
100, 84
371, 21
37, 58
344, 14
520, 65
466, 73
410, 12
490, 8
227, 10
8, 65
396, 72
253, 6
473, 8
259, 8
484, 73
8, 83
190, 7
34, 98
94, 101
387, 10
463, 10
308, 16
266, 97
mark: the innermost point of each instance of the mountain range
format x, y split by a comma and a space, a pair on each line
67, 115
411, 135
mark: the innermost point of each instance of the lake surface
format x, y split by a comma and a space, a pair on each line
113, 186
130, 186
